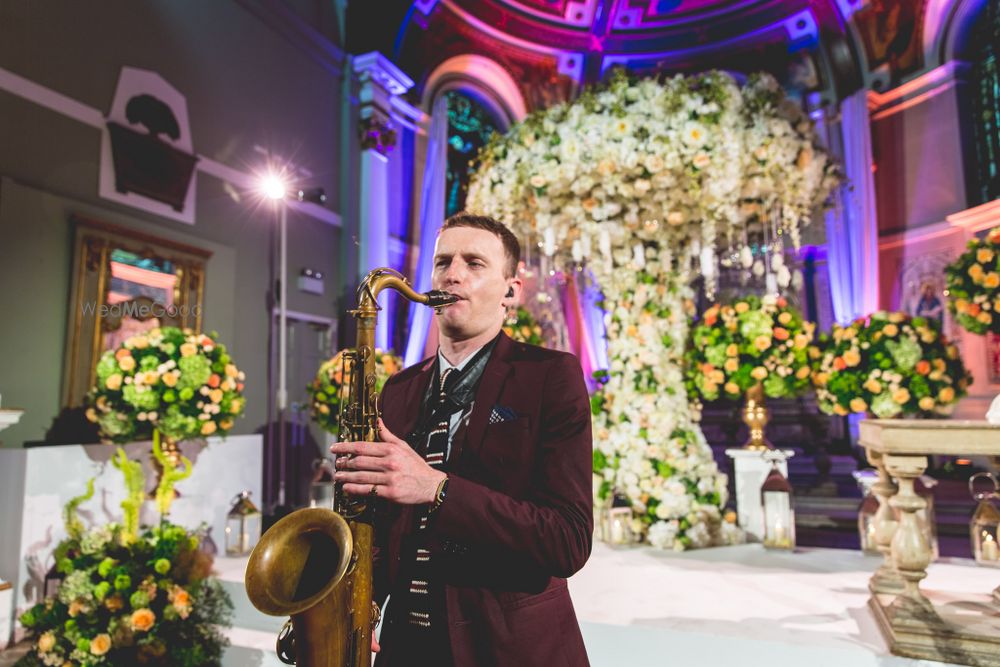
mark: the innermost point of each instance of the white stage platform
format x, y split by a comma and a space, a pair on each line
720, 607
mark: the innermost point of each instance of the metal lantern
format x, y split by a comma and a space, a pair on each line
618, 521
778, 509
866, 512
985, 525
242, 526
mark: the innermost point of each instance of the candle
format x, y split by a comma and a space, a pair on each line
989, 547
617, 531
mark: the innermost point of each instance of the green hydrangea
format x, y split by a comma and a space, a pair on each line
716, 355
176, 424
775, 386
77, 586
95, 540
107, 367
755, 323
147, 399
906, 352
195, 372
115, 425
884, 407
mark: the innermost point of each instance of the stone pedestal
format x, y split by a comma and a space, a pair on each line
36, 483
965, 631
750, 469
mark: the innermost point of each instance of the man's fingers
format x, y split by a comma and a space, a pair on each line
362, 477
364, 490
365, 448
376, 463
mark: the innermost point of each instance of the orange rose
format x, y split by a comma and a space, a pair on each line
782, 302
100, 644
781, 333
142, 619
214, 381
973, 309
839, 364
923, 367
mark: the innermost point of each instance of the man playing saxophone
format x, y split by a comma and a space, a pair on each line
485, 466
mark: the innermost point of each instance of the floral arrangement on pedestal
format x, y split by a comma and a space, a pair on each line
330, 389
640, 180
973, 282
179, 383
888, 364
129, 596
522, 326
749, 341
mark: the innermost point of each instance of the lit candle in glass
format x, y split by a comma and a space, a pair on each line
989, 547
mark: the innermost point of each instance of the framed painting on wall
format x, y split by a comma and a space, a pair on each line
125, 282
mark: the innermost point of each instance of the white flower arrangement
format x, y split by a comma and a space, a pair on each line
639, 181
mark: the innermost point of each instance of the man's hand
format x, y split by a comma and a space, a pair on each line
375, 647
396, 471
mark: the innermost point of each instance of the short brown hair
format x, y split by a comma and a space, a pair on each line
511, 246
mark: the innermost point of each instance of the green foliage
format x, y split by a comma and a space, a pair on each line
175, 381
74, 527
973, 282
888, 364
171, 475
117, 606
135, 491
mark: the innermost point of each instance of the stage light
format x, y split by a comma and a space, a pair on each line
273, 187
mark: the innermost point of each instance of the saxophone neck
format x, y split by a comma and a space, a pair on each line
385, 278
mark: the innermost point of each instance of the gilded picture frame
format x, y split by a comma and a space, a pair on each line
125, 281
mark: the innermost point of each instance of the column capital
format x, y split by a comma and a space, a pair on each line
381, 82
374, 69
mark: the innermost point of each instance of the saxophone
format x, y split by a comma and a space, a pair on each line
315, 565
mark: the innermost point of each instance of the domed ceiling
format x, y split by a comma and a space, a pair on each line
553, 47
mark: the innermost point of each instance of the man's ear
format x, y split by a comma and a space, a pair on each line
513, 295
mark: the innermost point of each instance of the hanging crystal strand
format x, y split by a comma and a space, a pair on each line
770, 284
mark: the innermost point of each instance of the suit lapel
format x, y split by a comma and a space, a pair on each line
412, 395
490, 386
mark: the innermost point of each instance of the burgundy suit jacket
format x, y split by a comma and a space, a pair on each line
518, 516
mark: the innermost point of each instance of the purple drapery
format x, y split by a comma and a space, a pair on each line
852, 225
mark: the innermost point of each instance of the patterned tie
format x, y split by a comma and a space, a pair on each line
420, 602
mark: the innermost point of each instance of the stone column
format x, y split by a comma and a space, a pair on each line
911, 554
380, 81
886, 579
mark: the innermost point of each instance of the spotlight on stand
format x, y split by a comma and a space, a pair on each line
314, 195
273, 187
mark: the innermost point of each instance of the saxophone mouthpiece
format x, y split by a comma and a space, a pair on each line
438, 299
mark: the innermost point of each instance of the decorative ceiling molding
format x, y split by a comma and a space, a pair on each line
570, 63
577, 14
631, 15
800, 29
